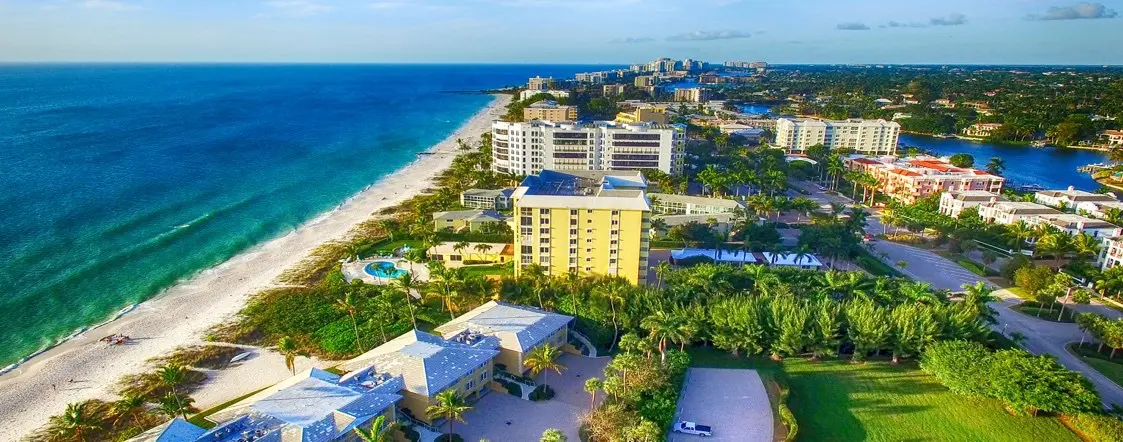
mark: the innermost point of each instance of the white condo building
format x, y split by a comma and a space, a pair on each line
870, 137
526, 148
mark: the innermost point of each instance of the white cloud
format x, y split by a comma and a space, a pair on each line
852, 26
300, 8
953, 19
1083, 10
709, 35
632, 40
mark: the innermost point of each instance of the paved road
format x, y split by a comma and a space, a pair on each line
1042, 337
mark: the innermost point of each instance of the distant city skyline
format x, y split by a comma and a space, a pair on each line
559, 31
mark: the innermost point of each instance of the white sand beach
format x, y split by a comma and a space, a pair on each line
85, 368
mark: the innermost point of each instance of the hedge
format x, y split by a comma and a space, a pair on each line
1095, 427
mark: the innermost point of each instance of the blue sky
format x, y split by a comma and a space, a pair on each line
564, 31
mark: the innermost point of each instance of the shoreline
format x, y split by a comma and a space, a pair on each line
81, 367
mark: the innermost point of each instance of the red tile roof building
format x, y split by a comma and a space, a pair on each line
907, 180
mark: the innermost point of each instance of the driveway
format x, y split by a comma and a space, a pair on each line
502, 417
731, 401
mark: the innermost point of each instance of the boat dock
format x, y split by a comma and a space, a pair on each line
1094, 167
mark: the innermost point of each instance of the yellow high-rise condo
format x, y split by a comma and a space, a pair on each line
583, 222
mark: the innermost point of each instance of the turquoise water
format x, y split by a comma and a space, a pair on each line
117, 181
1050, 167
756, 109
384, 270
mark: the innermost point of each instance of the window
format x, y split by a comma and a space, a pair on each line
573, 213
483, 376
469, 385
545, 231
544, 250
526, 250
543, 211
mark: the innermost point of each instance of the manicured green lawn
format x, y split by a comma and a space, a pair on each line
839, 401
497, 269
1030, 308
390, 247
1112, 368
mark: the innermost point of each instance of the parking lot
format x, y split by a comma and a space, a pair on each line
733, 402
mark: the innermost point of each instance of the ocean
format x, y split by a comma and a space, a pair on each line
117, 181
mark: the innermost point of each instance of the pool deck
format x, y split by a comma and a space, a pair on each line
355, 270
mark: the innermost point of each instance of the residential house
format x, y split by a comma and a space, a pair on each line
546, 110
1112, 138
466, 220
429, 365
1098, 209
487, 199
981, 130
518, 329
953, 202
805, 262
313, 406
1077, 224
718, 222
1111, 253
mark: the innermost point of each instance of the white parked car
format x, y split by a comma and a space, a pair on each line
685, 427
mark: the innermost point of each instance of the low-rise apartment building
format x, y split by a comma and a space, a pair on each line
644, 81
486, 199
869, 137
549, 111
1010, 212
530, 147
1077, 225
466, 220
1071, 198
612, 90
671, 204
539, 84
1111, 253
952, 203
454, 254
910, 179
1099, 209
519, 330
981, 130
530, 93
429, 365
692, 95
586, 223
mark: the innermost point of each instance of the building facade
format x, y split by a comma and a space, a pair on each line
612, 90
646, 114
919, 177
1011, 212
539, 84
529, 147
586, 223
549, 111
952, 203
671, 204
1071, 198
529, 93
486, 199
981, 130
869, 137
1111, 253
1112, 137
692, 95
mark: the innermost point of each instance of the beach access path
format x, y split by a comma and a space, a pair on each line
84, 368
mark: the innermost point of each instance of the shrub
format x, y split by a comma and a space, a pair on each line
542, 393
972, 266
513, 388
1012, 265
411, 434
449, 438
961, 366
213, 357
1096, 427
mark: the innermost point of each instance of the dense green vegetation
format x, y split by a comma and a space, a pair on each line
837, 400
1031, 103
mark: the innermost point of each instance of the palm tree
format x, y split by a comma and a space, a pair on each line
996, 166
172, 376
75, 421
615, 291
287, 347
542, 359
460, 247
173, 405
408, 283
482, 249
1057, 244
346, 304
1022, 232
443, 283
1113, 215
592, 386
449, 406
128, 405
379, 431
661, 326
658, 226
1086, 246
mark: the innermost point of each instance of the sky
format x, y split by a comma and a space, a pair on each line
563, 31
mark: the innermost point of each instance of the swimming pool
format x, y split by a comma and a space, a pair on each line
383, 269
